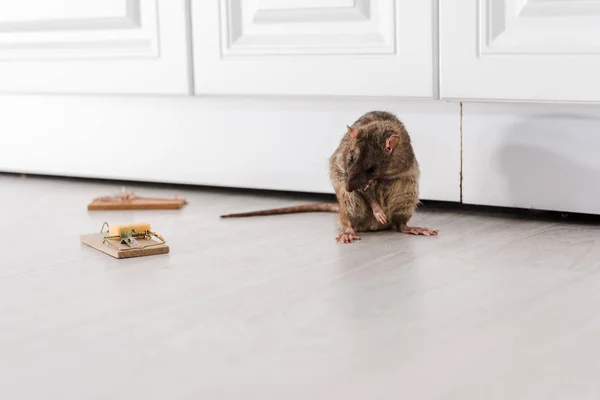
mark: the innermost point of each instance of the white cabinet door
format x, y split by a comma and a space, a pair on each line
532, 50
314, 47
94, 46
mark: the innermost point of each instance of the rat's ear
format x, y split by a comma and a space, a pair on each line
352, 131
391, 143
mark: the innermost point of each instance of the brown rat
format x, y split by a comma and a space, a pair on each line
375, 175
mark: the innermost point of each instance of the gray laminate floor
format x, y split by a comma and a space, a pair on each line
274, 308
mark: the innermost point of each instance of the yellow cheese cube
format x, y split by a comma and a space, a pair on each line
140, 227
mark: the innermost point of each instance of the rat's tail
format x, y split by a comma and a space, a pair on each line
326, 207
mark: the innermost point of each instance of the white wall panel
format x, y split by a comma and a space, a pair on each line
281, 144
306, 47
538, 50
94, 46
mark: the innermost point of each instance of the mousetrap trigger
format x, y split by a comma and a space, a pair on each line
126, 235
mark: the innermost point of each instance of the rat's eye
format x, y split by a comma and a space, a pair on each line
351, 159
370, 170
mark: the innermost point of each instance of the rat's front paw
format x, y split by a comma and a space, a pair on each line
347, 237
380, 216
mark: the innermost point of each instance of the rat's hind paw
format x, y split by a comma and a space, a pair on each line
347, 237
413, 230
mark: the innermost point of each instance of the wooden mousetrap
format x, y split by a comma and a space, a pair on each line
127, 241
130, 201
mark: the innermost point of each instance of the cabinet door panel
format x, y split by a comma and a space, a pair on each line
308, 47
532, 156
532, 50
94, 46
259, 143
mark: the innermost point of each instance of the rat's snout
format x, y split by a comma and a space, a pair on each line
353, 184
355, 180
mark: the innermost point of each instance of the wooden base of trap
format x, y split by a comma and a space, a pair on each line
106, 204
96, 241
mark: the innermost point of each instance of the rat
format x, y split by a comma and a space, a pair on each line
375, 175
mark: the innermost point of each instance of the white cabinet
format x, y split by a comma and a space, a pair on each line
310, 55
94, 46
310, 47
531, 50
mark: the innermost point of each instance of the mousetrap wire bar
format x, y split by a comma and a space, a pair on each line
148, 235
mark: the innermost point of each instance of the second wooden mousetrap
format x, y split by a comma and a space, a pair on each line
127, 241
131, 201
